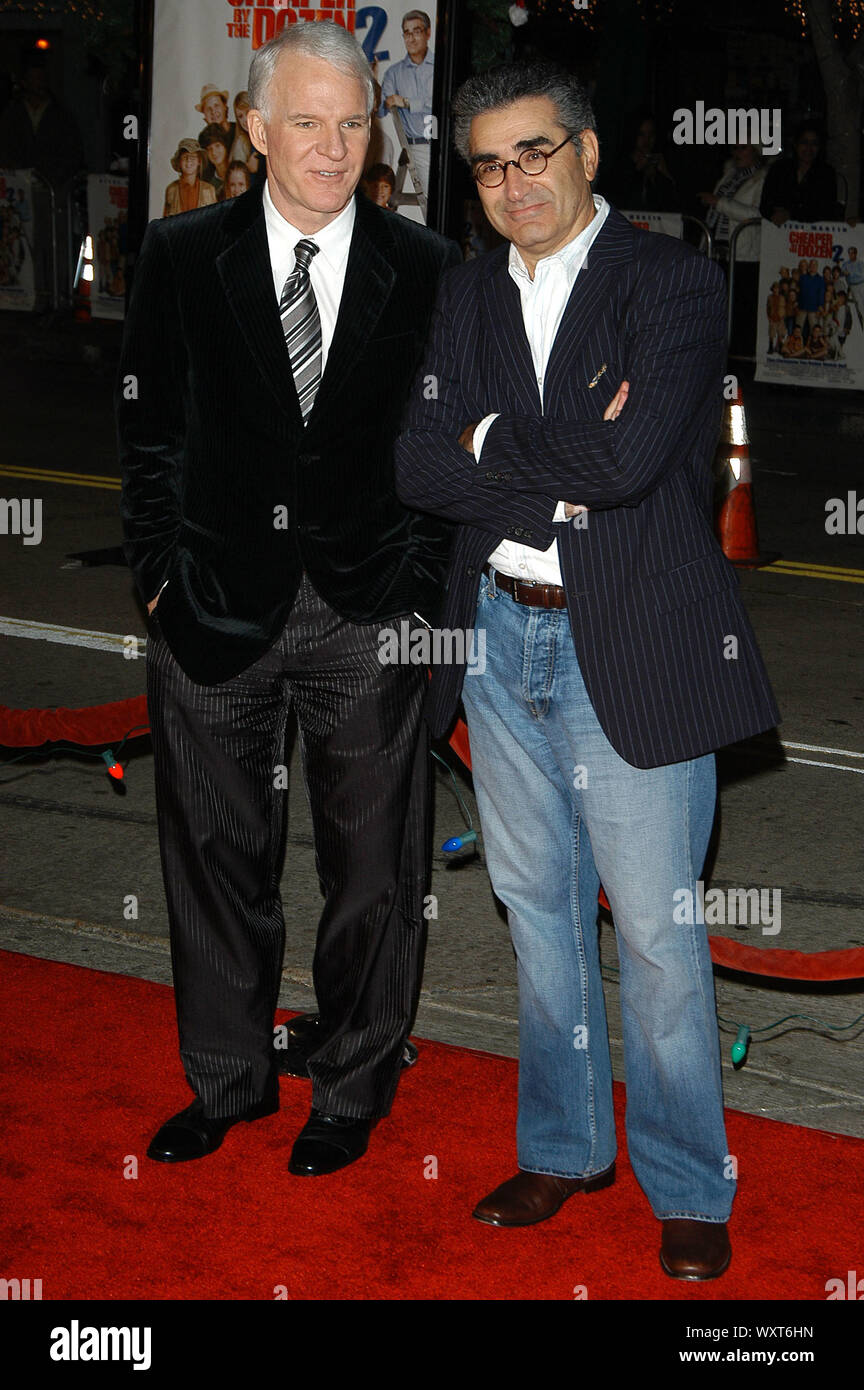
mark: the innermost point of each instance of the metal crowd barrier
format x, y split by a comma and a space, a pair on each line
709, 240
77, 228
730, 288
42, 183
842, 191
706, 241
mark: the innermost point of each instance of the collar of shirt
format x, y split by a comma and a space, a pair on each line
571, 257
408, 62
334, 241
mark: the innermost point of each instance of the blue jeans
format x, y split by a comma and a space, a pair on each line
561, 812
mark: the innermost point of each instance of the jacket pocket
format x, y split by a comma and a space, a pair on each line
712, 574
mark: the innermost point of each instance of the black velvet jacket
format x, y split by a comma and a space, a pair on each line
227, 495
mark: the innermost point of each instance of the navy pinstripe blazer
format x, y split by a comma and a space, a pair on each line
652, 600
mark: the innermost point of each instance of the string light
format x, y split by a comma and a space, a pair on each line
847, 16
652, 11
44, 9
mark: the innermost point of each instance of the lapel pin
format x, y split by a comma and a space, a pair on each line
595, 379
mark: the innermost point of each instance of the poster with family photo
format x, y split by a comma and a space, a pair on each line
107, 209
200, 150
17, 280
810, 311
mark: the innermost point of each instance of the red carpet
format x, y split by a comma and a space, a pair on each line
91, 1070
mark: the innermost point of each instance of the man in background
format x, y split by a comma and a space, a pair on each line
36, 132
407, 88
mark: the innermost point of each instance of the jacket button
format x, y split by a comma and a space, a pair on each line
527, 535
470, 571
508, 477
490, 477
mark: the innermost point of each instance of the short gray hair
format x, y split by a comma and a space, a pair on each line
311, 39
489, 91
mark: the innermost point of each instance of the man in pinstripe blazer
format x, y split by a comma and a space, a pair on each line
577, 395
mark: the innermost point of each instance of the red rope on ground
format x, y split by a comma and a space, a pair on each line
105, 724
29, 728
734, 955
788, 965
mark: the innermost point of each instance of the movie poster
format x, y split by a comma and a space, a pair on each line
200, 151
17, 278
810, 311
107, 208
671, 223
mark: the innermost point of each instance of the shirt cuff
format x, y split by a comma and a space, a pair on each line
481, 431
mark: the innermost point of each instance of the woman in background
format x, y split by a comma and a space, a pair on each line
802, 187
735, 199
242, 148
640, 181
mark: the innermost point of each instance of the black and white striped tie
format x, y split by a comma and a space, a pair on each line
301, 325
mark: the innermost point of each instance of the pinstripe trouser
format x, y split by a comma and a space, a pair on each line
221, 807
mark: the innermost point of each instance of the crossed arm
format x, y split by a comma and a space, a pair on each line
675, 351
612, 411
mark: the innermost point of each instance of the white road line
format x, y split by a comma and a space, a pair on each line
839, 767
817, 748
69, 636
811, 762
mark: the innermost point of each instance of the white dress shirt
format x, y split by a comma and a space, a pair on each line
326, 270
544, 300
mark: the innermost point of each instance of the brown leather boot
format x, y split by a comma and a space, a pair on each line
694, 1249
532, 1197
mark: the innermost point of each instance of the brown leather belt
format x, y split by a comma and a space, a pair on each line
523, 591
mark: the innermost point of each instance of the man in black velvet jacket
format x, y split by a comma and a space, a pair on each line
267, 540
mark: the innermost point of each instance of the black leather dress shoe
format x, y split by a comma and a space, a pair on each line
303, 1037
327, 1143
192, 1134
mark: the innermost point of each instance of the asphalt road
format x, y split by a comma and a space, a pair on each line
76, 847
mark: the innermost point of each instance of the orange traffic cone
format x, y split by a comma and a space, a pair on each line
81, 301
735, 519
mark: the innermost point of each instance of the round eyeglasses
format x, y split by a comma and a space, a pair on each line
492, 172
